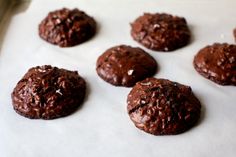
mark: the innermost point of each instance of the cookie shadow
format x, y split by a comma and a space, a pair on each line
192, 38
202, 115
98, 28
158, 68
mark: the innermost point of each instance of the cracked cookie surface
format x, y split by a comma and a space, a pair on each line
67, 27
125, 65
47, 92
163, 107
217, 63
161, 31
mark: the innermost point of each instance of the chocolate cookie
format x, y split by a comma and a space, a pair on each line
217, 62
161, 32
125, 65
67, 28
48, 92
163, 107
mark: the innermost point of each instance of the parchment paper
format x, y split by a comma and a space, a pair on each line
101, 127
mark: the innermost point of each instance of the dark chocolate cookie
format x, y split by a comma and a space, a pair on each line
163, 107
67, 28
161, 32
48, 92
125, 65
217, 62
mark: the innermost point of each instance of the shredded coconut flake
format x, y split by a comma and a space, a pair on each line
156, 26
143, 101
130, 72
146, 83
59, 92
231, 59
166, 49
42, 70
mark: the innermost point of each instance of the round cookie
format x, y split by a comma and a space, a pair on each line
217, 62
125, 65
160, 31
67, 28
163, 107
46, 92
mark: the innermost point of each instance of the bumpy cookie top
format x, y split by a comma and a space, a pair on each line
162, 107
67, 27
125, 65
160, 31
217, 62
48, 92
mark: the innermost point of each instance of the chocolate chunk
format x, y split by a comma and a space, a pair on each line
125, 65
67, 28
160, 31
46, 92
163, 107
217, 62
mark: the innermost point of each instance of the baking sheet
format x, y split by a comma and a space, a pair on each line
101, 127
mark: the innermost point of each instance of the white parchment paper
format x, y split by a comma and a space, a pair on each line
101, 127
